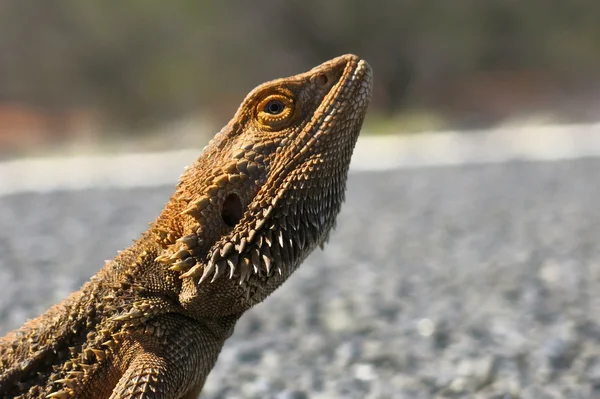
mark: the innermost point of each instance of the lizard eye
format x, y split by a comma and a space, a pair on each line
274, 107
275, 111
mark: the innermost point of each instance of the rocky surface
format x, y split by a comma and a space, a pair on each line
456, 282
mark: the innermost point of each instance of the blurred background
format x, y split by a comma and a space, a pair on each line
168, 74
466, 262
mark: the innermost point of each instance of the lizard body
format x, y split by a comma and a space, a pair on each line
261, 196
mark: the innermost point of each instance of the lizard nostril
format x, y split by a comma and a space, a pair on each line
232, 210
322, 80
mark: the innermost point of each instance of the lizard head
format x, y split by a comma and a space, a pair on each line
266, 190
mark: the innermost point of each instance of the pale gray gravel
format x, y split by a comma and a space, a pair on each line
464, 282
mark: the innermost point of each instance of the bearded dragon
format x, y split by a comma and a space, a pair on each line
262, 195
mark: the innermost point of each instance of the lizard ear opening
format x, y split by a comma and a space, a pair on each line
232, 210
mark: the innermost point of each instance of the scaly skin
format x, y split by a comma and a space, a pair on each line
263, 194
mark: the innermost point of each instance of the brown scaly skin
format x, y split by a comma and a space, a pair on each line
263, 194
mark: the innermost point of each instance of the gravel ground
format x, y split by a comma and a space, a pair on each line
463, 282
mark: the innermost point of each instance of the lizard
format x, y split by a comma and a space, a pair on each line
262, 195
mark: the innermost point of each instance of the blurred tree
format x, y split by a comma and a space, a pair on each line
146, 61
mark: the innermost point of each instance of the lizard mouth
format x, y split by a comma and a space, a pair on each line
351, 93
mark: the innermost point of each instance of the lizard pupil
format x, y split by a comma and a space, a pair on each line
274, 107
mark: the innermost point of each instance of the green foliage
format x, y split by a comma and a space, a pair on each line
151, 60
